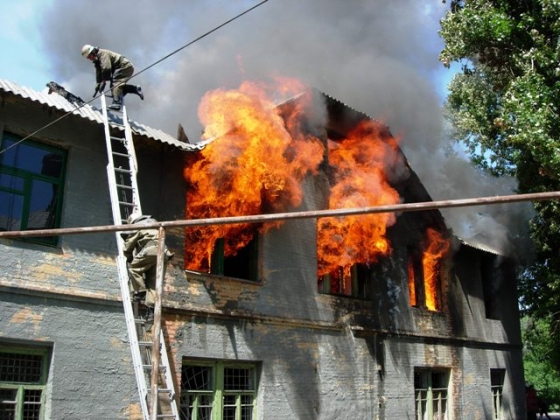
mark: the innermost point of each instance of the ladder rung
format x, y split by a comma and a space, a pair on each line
125, 187
165, 416
145, 343
162, 368
162, 391
126, 171
123, 139
126, 203
120, 154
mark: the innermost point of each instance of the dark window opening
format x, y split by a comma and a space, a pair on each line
243, 265
31, 185
357, 283
490, 286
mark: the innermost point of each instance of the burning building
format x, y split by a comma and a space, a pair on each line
380, 315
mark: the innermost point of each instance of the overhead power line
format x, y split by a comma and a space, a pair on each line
138, 73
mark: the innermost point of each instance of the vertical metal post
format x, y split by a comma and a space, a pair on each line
156, 354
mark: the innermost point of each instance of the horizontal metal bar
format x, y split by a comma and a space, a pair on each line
263, 218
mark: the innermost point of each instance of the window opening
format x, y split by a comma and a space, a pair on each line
497, 377
356, 283
424, 270
242, 265
218, 391
490, 286
23, 378
431, 394
31, 186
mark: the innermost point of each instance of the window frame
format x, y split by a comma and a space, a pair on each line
497, 375
218, 391
229, 266
425, 398
359, 284
22, 386
28, 178
417, 297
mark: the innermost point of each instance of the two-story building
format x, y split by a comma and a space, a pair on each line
377, 316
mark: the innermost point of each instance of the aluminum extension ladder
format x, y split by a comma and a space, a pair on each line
125, 198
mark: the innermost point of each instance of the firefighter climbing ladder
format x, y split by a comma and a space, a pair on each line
125, 198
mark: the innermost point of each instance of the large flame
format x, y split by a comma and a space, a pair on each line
435, 248
254, 166
359, 164
411, 283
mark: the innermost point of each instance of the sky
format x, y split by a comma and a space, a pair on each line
379, 57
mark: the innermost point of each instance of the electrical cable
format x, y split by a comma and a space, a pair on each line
138, 73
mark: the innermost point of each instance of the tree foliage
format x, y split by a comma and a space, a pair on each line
539, 358
504, 106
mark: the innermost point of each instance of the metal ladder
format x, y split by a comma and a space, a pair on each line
125, 198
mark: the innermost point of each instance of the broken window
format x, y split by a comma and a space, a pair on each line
218, 390
431, 393
356, 283
31, 184
424, 271
23, 379
497, 377
242, 265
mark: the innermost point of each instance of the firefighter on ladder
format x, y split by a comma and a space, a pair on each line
141, 251
114, 68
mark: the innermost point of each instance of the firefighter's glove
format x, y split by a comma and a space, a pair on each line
99, 88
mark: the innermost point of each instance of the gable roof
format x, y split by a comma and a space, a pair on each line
91, 113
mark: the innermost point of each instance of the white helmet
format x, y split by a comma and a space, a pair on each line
135, 217
87, 50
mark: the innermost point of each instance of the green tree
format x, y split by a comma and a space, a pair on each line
538, 357
504, 106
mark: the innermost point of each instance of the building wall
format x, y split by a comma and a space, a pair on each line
319, 356
91, 374
66, 297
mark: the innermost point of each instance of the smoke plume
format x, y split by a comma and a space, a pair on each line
377, 56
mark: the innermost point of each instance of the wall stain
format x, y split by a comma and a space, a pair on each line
27, 316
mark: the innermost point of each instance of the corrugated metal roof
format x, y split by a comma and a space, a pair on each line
482, 246
92, 113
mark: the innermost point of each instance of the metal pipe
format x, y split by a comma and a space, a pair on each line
313, 214
156, 355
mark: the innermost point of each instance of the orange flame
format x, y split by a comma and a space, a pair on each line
255, 165
359, 164
411, 283
436, 247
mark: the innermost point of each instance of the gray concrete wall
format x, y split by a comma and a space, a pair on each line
321, 356
91, 374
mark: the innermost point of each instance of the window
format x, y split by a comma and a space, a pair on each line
31, 181
357, 283
218, 391
490, 286
424, 281
242, 265
415, 278
497, 377
23, 378
431, 394
424, 268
